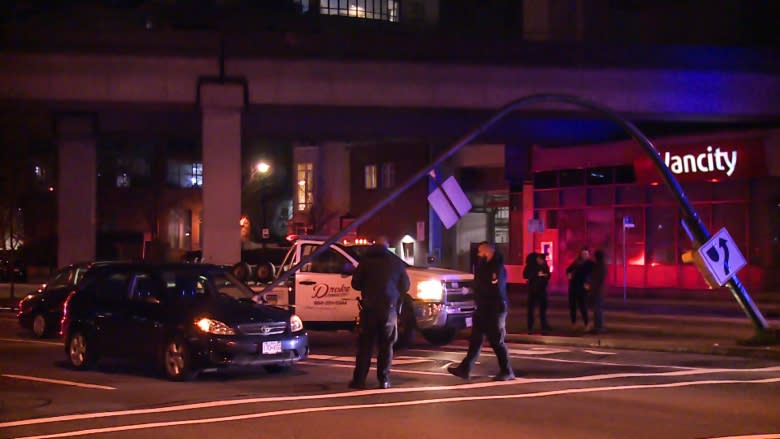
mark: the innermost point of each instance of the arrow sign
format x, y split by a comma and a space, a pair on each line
721, 257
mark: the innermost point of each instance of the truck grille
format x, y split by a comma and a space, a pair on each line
270, 328
459, 291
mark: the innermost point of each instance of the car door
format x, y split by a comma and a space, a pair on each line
323, 288
145, 324
111, 313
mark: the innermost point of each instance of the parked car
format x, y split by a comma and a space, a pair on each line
41, 310
186, 318
16, 271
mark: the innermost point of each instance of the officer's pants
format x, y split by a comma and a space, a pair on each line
490, 322
376, 327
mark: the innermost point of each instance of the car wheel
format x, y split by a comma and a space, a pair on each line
241, 271
264, 272
40, 326
177, 361
276, 368
81, 353
439, 336
407, 326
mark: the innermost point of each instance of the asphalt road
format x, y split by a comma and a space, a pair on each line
560, 393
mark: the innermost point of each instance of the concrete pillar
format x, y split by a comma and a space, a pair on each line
76, 189
221, 106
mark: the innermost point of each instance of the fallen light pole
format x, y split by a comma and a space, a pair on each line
698, 232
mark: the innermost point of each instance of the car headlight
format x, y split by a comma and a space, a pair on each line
215, 327
430, 290
296, 324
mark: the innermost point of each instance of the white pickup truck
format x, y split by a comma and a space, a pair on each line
438, 304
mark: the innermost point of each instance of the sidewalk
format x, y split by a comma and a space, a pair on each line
670, 325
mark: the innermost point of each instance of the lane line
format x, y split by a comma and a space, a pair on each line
52, 381
590, 351
751, 436
165, 424
400, 360
561, 360
349, 366
22, 340
369, 392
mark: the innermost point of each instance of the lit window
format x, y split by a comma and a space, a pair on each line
371, 177
39, 172
386, 10
388, 175
186, 175
305, 182
123, 180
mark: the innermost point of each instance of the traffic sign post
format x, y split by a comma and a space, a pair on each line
628, 223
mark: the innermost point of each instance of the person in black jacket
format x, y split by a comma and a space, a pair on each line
597, 284
381, 278
490, 315
538, 274
579, 274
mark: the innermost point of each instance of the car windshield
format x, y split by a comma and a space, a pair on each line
227, 284
358, 252
187, 284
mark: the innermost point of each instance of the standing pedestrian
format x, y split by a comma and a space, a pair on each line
596, 284
578, 274
538, 274
490, 315
381, 278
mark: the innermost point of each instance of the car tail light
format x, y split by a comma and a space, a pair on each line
64, 321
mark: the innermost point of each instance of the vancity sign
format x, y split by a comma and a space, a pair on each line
707, 161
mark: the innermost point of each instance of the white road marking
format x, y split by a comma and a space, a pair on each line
22, 340
154, 425
538, 351
589, 351
63, 382
368, 392
348, 366
399, 360
561, 360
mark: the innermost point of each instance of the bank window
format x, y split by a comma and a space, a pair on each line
625, 174
572, 177
370, 173
305, 192
388, 175
501, 225
661, 236
545, 180
123, 180
598, 176
385, 10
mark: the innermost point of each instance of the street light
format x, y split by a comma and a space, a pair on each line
263, 167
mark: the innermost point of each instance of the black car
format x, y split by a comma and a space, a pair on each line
184, 317
41, 311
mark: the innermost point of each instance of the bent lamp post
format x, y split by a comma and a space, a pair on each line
699, 233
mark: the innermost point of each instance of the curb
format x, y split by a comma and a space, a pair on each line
673, 346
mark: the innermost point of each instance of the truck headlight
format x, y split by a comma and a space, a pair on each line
431, 290
215, 327
296, 324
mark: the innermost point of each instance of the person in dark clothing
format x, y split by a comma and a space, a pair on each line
490, 315
381, 278
579, 273
538, 274
597, 284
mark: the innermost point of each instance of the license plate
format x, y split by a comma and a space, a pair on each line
271, 347
469, 322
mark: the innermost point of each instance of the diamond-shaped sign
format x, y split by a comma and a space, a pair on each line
449, 202
721, 257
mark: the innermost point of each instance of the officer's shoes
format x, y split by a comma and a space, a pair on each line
458, 372
383, 385
356, 386
503, 376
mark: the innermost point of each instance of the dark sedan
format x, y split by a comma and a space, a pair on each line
184, 317
41, 311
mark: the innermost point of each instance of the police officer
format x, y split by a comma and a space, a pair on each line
490, 316
381, 278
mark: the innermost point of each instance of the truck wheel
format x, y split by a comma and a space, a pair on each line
241, 271
407, 326
439, 336
264, 272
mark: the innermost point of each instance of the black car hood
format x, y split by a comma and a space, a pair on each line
232, 312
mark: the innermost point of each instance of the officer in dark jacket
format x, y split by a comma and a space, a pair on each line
490, 316
381, 278
538, 274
